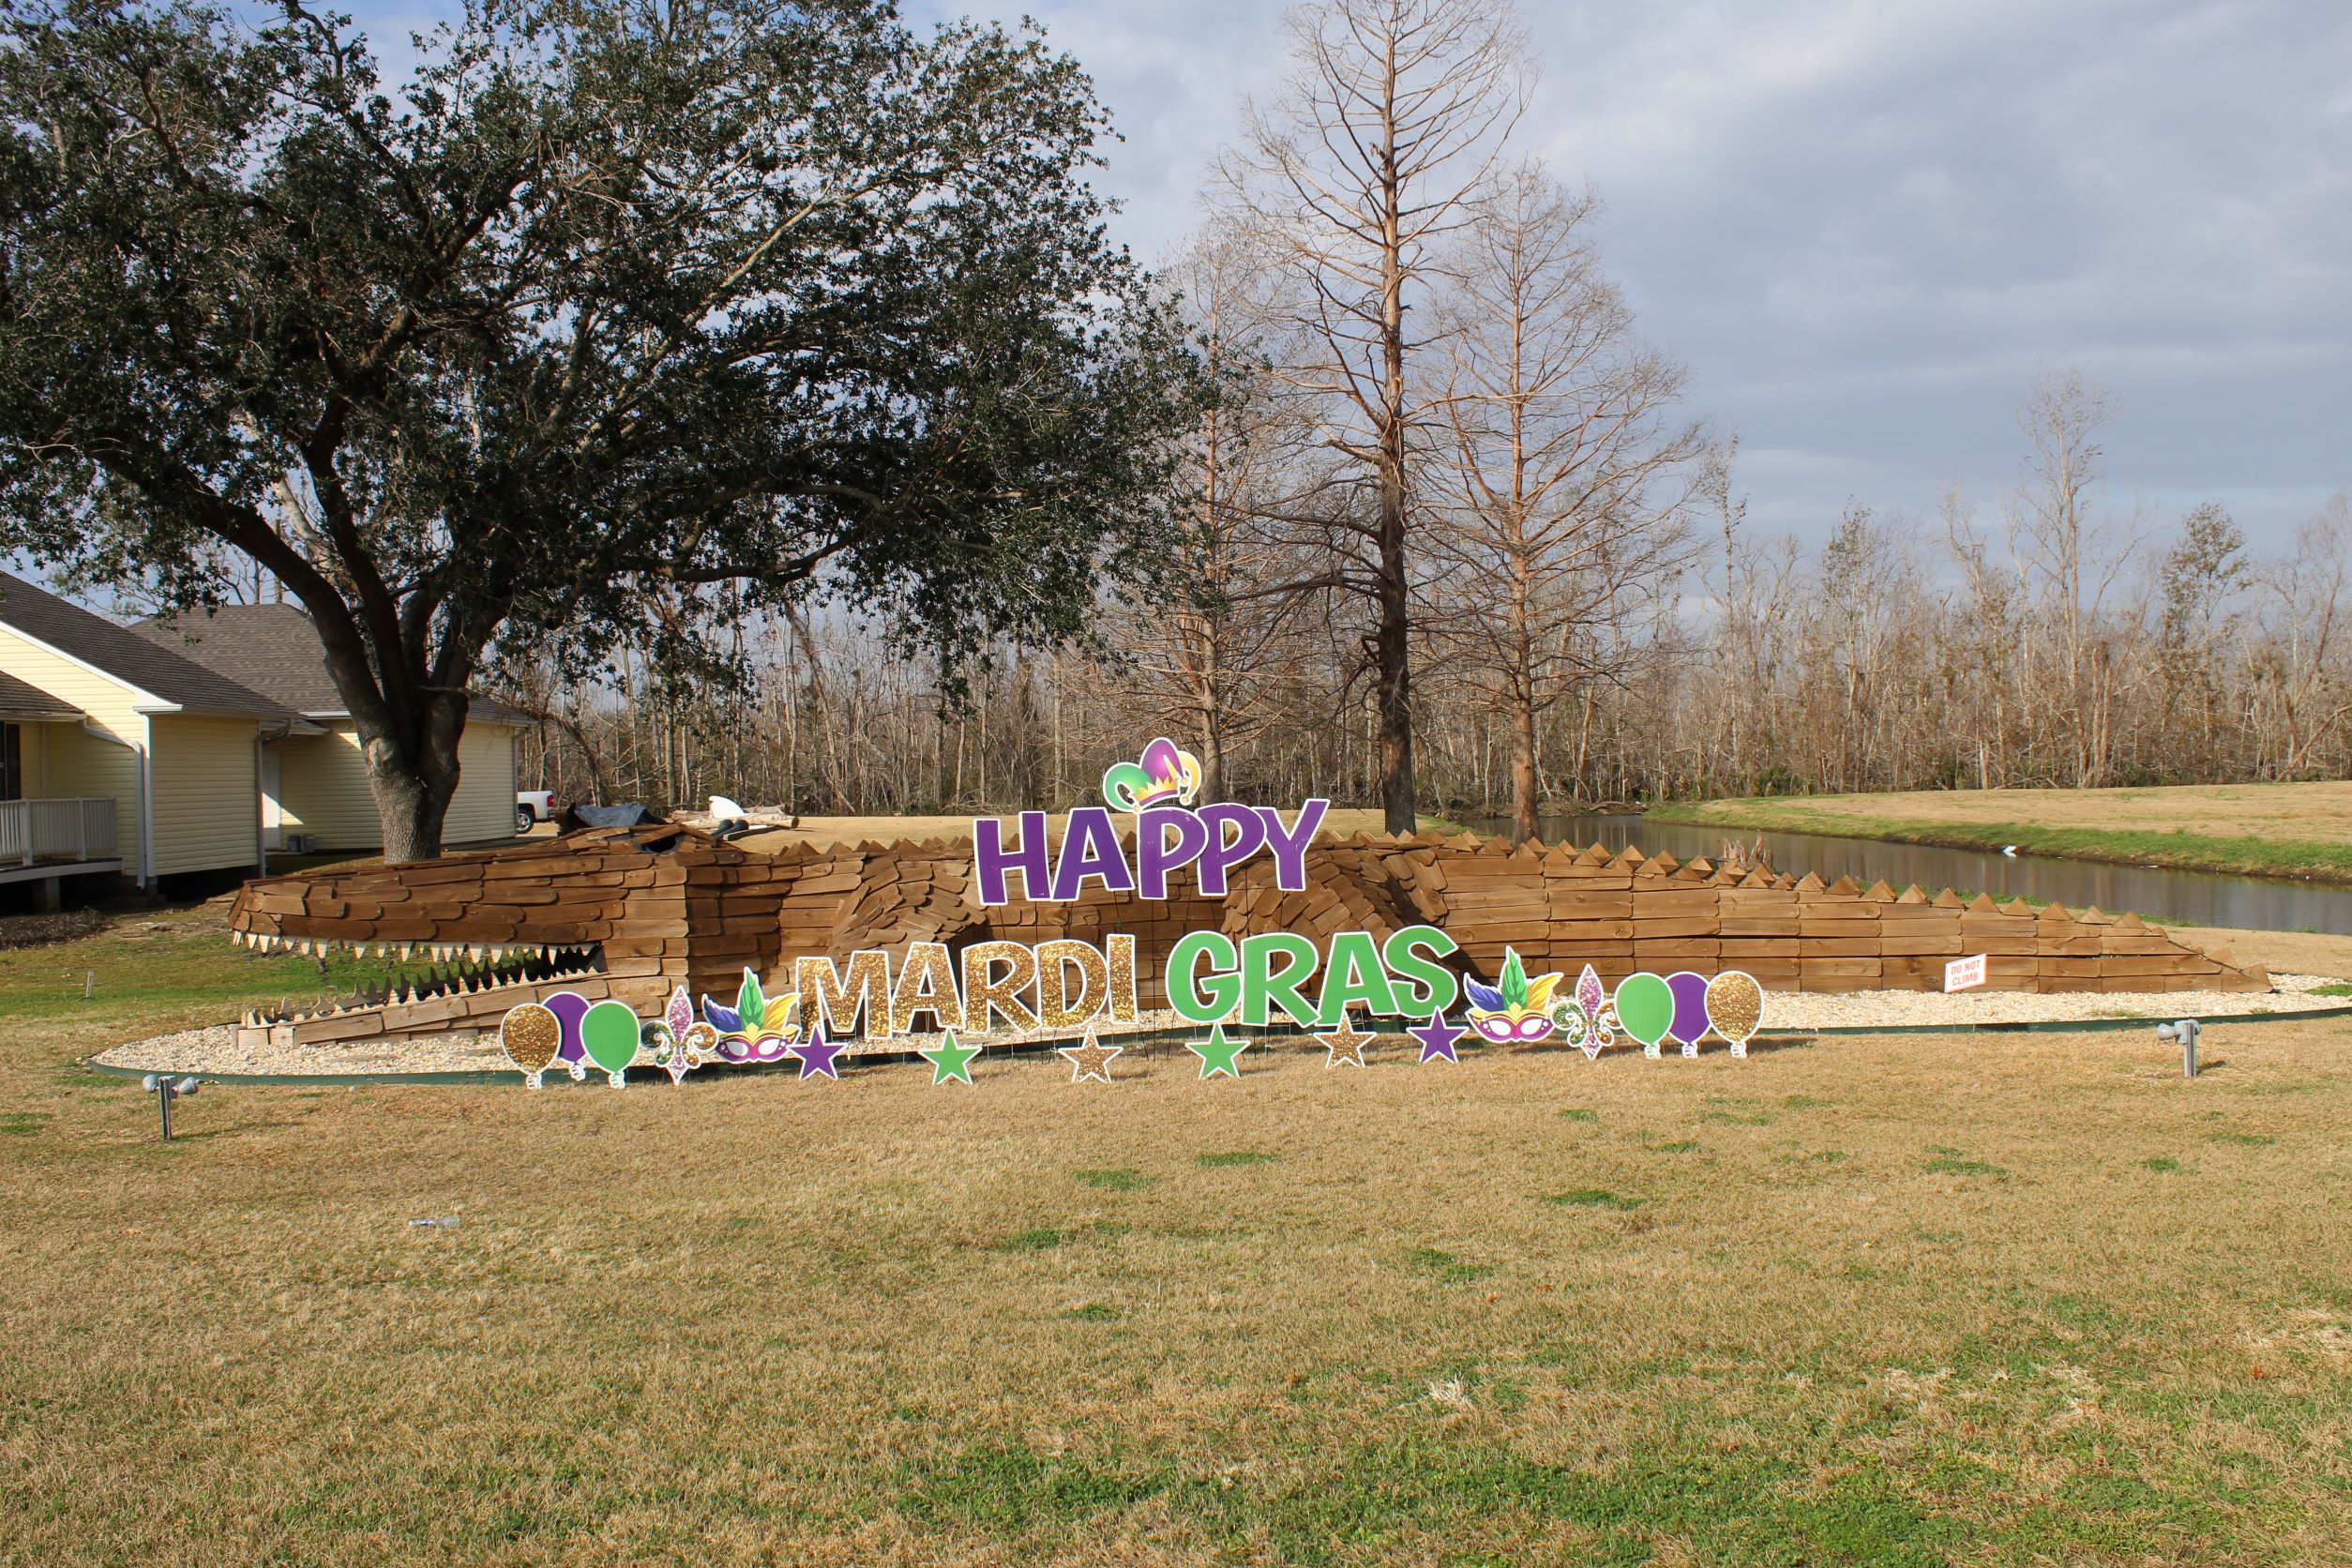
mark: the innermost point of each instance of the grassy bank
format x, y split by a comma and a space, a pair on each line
2270, 830
1888, 1301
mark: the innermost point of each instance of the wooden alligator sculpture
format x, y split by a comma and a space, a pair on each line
634, 913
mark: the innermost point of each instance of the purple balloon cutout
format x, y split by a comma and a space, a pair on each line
1690, 1006
569, 1007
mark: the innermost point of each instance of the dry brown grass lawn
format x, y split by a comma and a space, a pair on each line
1902, 1300
2320, 811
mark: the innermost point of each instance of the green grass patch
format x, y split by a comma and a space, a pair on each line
1449, 1269
1679, 1146
1036, 1240
1239, 1157
2241, 1140
1094, 1312
2164, 1165
135, 971
1804, 1102
1112, 1181
1952, 1162
2333, 988
21, 1123
1578, 1113
1593, 1197
2233, 855
1009, 1487
70, 1075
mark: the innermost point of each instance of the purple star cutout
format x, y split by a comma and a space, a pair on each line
1437, 1038
816, 1055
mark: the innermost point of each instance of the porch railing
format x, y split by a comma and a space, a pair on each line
34, 830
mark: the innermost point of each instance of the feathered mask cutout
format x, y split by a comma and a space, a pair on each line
1167, 775
1517, 1011
757, 1027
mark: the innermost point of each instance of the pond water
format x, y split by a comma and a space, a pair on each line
2259, 903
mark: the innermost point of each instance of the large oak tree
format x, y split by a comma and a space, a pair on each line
610, 314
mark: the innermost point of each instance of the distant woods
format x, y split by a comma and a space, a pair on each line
1451, 538
1904, 653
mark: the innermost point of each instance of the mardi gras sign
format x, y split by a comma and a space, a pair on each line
1168, 836
1211, 979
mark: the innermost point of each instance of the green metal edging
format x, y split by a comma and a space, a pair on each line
1171, 1036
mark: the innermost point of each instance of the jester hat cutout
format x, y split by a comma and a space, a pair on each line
1167, 775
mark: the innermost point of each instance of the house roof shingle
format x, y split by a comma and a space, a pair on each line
274, 649
122, 653
22, 699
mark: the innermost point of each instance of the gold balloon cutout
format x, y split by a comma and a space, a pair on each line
531, 1036
1735, 1007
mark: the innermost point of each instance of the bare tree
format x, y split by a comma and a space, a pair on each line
2296, 674
1202, 666
1567, 476
2073, 551
2197, 579
1373, 152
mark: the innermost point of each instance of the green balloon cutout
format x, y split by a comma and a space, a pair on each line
609, 1031
1645, 1009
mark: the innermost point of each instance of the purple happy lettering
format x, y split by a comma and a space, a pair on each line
1290, 849
1090, 847
1155, 856
1218, 856
991, 860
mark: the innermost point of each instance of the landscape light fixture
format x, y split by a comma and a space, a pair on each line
165, 1088
2186, 1032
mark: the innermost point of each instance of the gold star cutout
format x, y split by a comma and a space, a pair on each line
1343, 1047
1090, 1060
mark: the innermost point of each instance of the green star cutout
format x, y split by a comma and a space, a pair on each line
950, 1062
1218, 1054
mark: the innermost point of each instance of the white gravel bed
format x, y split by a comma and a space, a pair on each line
215, 1048
1863, 1009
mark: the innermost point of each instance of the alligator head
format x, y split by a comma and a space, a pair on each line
624, 912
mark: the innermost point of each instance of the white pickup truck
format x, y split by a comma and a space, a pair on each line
533, 805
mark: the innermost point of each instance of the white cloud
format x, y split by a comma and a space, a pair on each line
1865, 225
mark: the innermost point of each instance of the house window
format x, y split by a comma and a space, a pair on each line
12, 762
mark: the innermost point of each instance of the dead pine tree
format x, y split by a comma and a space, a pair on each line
1207, 666
1373, 150
1564, 475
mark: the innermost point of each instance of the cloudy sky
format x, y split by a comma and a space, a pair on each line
1868, 224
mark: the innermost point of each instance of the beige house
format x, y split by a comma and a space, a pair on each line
314, 779
124, 751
